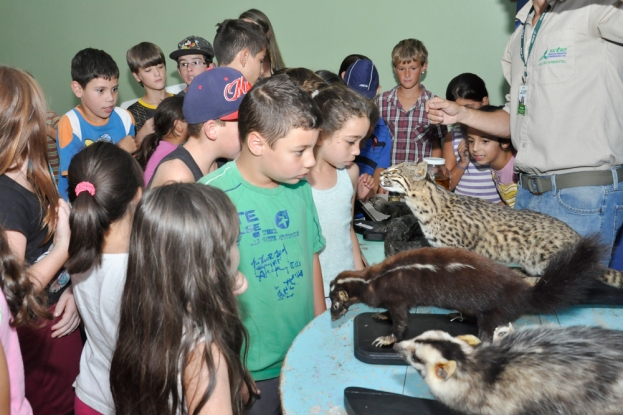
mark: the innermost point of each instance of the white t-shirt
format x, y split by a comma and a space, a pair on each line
98, 297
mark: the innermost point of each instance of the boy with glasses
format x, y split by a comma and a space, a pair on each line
194, 55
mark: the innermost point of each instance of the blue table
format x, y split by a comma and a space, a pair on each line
320, 363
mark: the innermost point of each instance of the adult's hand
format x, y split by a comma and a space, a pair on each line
442, 111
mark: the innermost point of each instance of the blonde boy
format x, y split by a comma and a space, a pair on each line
280, 234
211, 111
403, 107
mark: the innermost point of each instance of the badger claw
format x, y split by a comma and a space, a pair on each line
384, 341
381, 316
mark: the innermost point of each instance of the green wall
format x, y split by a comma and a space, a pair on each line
42, 36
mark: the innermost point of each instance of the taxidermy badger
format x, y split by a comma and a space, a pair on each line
536, 371
465, 281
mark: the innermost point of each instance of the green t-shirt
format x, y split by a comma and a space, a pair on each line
279, 234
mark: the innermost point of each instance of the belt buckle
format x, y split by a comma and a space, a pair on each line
533, 186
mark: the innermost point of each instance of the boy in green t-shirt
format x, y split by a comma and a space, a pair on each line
280, 235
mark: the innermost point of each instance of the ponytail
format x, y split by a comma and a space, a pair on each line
103, 181
169, 111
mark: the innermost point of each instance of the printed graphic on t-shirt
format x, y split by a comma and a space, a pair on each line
276, 265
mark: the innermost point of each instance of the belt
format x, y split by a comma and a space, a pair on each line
541, 184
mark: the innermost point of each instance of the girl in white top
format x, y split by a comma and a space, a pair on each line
335, 177
181, 341
105, 184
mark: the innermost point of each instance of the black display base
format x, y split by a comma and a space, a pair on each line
362, 401
603, 294
367, 329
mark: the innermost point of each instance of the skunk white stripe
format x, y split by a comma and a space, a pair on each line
457, 265
389, 271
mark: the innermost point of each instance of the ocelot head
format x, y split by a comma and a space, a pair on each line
405, 178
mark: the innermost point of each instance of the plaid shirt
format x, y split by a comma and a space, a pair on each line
412, 134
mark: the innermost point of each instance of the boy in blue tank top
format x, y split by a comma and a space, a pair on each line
95, 80
280, 235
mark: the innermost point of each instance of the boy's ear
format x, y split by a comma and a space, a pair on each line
424, 67
209, 128
256, 143
485, 101
135, 75
76, 88
243, 57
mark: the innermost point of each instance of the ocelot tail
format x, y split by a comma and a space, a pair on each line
523, 237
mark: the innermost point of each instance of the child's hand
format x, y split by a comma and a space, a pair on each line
364, 184
128, 144
66, 307
62, 233
463, 150
145, 130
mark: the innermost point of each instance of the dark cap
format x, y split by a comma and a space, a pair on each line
363, 77
215, 94
193, 45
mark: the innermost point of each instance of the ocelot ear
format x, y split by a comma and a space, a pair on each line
420, 171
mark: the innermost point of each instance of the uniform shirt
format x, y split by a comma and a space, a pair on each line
574, 108
412, 134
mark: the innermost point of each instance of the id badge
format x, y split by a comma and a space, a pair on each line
523, 99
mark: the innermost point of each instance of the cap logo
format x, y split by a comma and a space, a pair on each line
236, 89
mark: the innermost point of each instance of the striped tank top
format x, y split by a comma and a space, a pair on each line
477, 180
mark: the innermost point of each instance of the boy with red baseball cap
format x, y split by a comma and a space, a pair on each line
211, 111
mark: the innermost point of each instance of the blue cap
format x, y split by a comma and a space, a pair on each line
363, 77
215, 94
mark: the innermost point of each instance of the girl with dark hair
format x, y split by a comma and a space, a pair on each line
181, 342
274, 61
467, 177
37, 230
105, 184
170, 131
20, 305
335, 177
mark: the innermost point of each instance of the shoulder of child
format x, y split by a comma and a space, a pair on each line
172, 171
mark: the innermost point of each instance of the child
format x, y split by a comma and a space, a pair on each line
497, 153
36, 224
211, 111
171, 131
467, 177
105, 184
280, 235
274, 61
403, 107
349, 60
241, 45
20, 305
194, 55
181, 341
306, 79
147, 64
335, 177
363, 78
95, 77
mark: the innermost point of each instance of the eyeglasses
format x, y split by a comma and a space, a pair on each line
194, 64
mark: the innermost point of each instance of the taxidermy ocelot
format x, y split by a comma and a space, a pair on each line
465, 281
535, 371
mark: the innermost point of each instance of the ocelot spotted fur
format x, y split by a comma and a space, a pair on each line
523, 237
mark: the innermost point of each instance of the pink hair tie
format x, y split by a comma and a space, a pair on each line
85, 186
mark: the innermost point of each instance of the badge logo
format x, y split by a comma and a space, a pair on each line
236, 89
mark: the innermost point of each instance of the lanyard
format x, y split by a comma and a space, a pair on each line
532, 39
